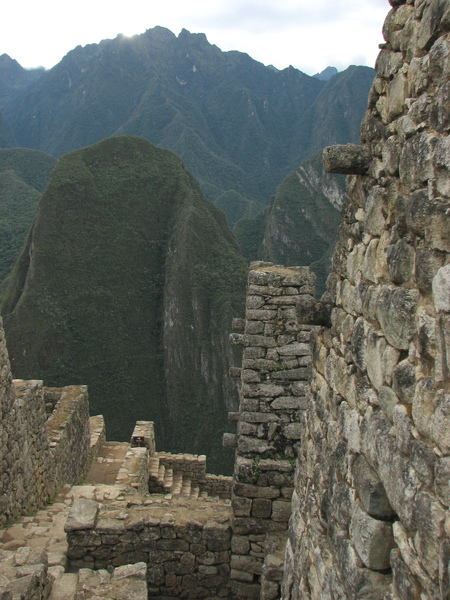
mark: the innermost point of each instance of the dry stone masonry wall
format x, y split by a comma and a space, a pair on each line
274, 374
38, 453
370, 510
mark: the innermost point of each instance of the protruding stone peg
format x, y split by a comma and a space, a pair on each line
349, 159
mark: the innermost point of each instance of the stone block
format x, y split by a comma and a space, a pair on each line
281, 511
442, 480
371, 490
441, 289
347, 159
83, 514
261, 508
373, 539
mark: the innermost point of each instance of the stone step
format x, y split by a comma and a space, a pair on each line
65, 587
168, 480
177, 484
195, 492
187, 487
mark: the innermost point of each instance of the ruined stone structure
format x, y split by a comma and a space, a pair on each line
341, 487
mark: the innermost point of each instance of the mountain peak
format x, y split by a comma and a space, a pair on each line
326, 74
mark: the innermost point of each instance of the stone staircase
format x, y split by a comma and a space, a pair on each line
182, 475
33, 551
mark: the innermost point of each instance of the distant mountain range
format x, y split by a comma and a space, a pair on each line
239, 126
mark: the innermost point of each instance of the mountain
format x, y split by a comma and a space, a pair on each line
6, 135
326, 74
14, 79
239, 126
335, 115
128, 283
24, 174
300, 224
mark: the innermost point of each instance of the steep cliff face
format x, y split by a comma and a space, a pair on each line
301, 221
121, 255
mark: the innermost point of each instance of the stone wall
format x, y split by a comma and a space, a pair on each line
275, 368
69, 434
25, 465
38, 453
187, 550
370, 510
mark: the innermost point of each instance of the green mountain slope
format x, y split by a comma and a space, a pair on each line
6, 135
300, 224
23, 176
128, 284
239, 126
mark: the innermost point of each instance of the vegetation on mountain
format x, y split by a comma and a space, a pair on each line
128, 284
300, 224
23, 176
239, 126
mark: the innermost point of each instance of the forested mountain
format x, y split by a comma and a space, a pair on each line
300, 223
240, 126
23, 176
128, 283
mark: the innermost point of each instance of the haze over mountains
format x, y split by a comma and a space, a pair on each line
129, 277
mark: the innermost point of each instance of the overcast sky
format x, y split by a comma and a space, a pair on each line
308, 34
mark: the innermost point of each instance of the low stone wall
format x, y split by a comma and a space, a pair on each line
51, 399
98, 436
134, 470
69, 435
26, 468
217, 485
187, 550
38, 453
191, 465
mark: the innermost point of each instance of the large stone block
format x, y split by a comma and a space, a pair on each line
347, 159
371, 490
373, 539
396, 312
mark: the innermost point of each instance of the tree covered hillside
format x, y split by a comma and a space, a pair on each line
23, 176
128, 284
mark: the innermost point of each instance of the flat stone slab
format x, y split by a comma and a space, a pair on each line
82, 515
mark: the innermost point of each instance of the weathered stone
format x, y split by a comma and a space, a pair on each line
381, 359
400, 261
404, 381
261, 508
440, 430
441, 289
396, 314
348, 159
373, 539
371, 490
83, 514
424, 405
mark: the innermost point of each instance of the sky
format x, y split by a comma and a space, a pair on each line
307, 34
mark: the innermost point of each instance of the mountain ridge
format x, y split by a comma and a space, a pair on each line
238, 125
